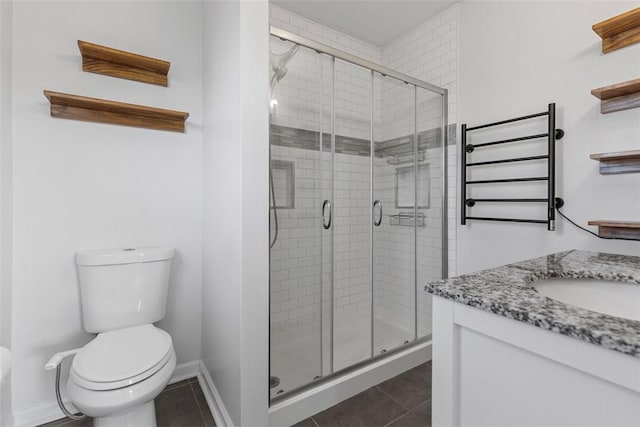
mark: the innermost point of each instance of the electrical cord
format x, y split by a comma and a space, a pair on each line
591, 232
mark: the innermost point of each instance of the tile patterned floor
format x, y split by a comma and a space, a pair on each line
179, 405
402, 401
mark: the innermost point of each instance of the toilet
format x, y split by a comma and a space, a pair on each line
116, 377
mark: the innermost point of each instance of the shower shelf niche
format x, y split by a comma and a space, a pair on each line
74, 107
125, 65
620, 31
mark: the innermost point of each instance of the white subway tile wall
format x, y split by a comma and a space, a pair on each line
428, 52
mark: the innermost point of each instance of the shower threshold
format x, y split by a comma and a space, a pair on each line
298, 404
295, 354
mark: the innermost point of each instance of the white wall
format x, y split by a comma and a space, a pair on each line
6, 180
235, 234
80, 185
515, 58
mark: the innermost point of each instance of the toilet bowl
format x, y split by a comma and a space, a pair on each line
116, 376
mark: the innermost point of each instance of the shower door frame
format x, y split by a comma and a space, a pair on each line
321, 48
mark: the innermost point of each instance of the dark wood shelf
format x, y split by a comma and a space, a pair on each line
620, 31
82, 108
624, 229
619, 96
620, 162
125, 65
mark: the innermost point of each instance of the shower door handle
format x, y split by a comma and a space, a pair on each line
326, 224
379, 220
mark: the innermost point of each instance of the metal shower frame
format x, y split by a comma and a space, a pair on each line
385, 72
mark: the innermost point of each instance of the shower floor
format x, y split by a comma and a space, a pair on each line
295, 353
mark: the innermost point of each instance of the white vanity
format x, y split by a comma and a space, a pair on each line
504, 354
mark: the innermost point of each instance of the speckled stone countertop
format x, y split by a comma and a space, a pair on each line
507, 291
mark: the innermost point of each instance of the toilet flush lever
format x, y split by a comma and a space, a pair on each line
57, 358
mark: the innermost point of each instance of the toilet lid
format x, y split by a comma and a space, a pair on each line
124, 356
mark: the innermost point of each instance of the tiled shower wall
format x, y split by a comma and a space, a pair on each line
428, 53
296, 257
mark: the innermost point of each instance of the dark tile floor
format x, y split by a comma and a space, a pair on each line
179, 405
402, 401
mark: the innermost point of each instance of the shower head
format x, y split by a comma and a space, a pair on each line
279, 62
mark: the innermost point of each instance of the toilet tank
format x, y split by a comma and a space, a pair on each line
120, 288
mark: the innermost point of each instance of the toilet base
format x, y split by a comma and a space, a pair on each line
140, 416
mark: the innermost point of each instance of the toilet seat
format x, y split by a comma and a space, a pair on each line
121, 358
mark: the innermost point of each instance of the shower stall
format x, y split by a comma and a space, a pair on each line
358, 212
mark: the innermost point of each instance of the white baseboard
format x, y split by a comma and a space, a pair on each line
41, 414
216, 406
185, 371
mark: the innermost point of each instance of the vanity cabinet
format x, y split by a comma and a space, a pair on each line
489, 370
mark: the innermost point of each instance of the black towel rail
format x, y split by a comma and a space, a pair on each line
552, 135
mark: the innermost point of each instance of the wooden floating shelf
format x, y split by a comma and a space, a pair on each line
619, 31
125, 65
619, 96
82, 108
621, 162
617, 229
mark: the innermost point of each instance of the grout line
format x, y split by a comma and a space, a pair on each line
392, 398
314, 421
429, 422
195, 397
424, 403
396, 419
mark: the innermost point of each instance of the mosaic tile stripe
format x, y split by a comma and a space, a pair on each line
284, 136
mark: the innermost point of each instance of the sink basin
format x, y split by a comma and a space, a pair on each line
604, 296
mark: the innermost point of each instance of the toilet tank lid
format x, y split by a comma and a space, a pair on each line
123, 256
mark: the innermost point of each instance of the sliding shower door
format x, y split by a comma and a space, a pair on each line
352, 219
357, 194
297, 184
393, 215
432, 221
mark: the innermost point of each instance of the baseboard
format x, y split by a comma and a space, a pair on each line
41, 414
185, 371
216, 406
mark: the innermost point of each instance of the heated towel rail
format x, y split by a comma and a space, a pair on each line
552, 135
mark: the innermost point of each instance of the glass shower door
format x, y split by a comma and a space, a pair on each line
393, 214
429, 245
296, 191
352, 200
356, 213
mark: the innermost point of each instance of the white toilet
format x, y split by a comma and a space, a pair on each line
116, 376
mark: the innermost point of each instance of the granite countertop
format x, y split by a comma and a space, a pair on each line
507, 291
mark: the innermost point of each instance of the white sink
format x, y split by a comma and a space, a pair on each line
604, 296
